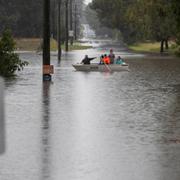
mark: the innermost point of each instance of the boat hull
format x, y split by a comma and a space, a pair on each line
101, 68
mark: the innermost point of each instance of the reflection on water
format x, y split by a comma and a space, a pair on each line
45, 131
88, 126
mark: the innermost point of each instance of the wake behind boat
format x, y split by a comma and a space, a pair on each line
101, 67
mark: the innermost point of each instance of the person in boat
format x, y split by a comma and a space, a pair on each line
119, 60
111, 56
101, 60
106, 59
87, 60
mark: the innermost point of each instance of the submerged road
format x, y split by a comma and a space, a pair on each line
92, 125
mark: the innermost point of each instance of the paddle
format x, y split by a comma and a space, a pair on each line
108, 68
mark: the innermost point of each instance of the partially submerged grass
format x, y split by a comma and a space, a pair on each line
28, 44
154, 47
35, 44
146, 47
75, 46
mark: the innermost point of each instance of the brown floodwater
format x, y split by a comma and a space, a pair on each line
93, 125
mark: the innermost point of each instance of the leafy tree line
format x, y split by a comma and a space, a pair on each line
140, 20
24, 18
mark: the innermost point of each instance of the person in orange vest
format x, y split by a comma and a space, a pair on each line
106, 59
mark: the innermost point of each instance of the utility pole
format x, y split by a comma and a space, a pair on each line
59, 30
71, 22
53, 19
46, 42
67, 28
75, 23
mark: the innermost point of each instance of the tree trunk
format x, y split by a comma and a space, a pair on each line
166, 44
162, 46
59, 30
67, 28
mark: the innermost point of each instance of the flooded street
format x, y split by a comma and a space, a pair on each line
93, 125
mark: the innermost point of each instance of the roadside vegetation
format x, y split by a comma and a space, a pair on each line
153, 47
76, 46
145, 47
141, 20
35, 44
9, 60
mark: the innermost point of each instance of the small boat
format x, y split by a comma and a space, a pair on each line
101, 67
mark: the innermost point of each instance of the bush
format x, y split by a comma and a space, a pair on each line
9, 61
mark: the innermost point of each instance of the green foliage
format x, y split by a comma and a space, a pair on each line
140, 20
112, 14
9, 61
25, 18
176, 10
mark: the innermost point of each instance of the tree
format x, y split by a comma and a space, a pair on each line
176, 11
113, 15
154, 19
138, 19
9, 61
24, 18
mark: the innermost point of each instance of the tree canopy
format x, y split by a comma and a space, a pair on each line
140, 19
25, 18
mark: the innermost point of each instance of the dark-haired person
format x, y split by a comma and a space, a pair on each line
87, 60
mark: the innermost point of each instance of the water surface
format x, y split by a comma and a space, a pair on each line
92, 125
